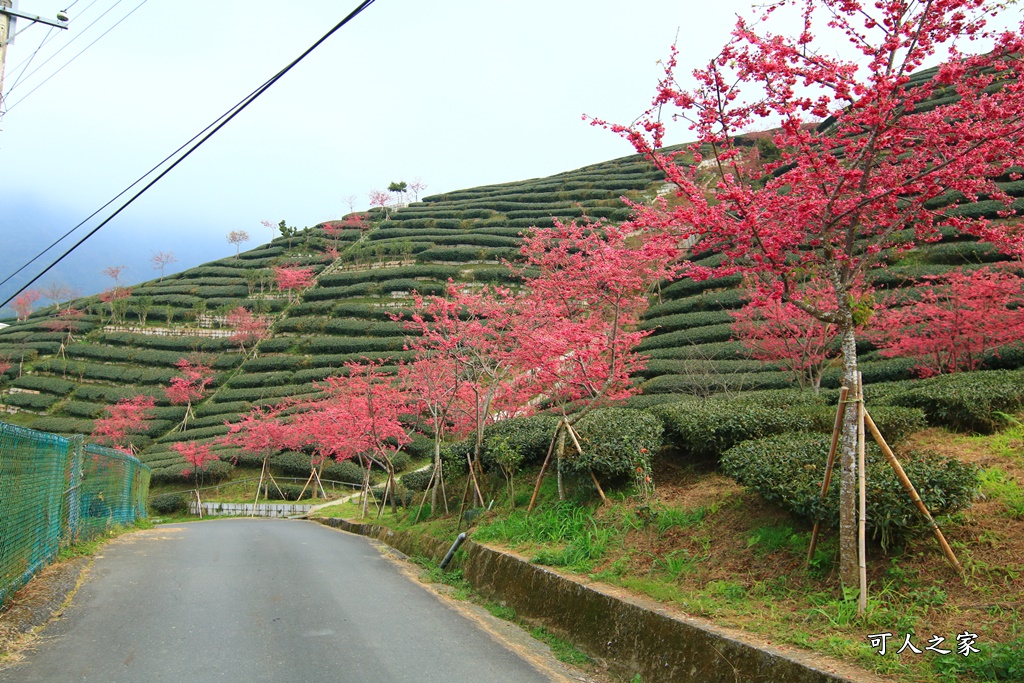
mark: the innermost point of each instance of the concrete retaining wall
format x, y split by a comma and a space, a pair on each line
630, 635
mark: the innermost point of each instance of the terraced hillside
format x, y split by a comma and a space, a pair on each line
362, 280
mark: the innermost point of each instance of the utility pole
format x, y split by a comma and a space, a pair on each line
9, 14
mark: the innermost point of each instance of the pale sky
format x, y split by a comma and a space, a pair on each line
456, 92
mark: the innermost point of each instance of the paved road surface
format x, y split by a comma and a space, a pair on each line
260, 600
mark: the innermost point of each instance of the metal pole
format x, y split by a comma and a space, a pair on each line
5, 30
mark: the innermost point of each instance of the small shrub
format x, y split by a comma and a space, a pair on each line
168, 503
530, 436
417, 481
968, 401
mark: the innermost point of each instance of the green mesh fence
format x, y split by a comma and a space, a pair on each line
56, 491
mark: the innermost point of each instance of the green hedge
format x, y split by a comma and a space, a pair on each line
787, 469
698, 335
707, 428
52, 385
970, 401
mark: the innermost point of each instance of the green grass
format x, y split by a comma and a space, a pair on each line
996, 484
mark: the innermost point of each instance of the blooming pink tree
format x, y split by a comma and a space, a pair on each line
58, 291
66, 322
777, 331
863, 153
292, 280
24, 303
5, 365
197, 456
249, 329
190, 386
951, 322
117, 298
577, 329
123, 420
380, 199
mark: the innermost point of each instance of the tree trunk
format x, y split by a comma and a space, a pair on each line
437, 475
559, 452
849, 572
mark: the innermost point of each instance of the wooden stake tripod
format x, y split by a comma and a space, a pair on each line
265, 474
865, 424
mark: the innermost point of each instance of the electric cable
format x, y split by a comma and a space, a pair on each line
28, 62
49, 38
213, 129
68, 63
68, 44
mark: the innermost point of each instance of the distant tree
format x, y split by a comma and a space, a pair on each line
351, 201
399, 189
58, 291
287, 232
951, 322
5, 365
380, 199
143, 305
117, 298
292, 280
270, 226
417, 185
198, 456
114, 273
190, 386
162, 259
123, 420
238, 238
24, 302
249, 329
357, 221
65, 322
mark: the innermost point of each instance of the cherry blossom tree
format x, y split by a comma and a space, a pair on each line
162, 259
293, 280
5, 365
473, 333
777, 331
24, 303
117, 298
951, 322
190, 386
249, 329
380, 199
863, 152
197, 456
124, 419
66, 322
577, 330
238, 238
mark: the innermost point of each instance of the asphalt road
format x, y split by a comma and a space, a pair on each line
261, 600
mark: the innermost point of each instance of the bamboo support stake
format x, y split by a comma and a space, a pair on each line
476, 486
426, 491
862, 600
828, 467
258, 487
914, 497
579, 449
543, 467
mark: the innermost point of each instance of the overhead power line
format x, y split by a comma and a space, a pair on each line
68, 63
189, 147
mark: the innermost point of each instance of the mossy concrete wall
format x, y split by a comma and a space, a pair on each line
629, 635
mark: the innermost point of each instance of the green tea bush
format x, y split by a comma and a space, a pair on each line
62, 425
36, 402
530, 436
787, 469
685, 321
708, 428
400, 461
697, 335
616, 441
708, 380
417, 481
347, 471
52, 385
